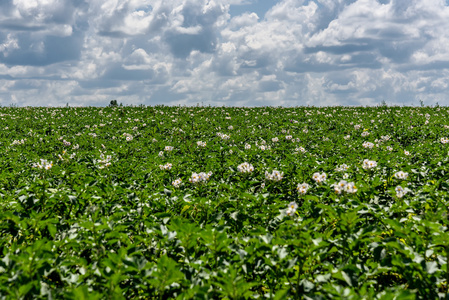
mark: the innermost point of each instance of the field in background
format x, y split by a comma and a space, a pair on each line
235, 203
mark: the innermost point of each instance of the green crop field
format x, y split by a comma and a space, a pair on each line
224, 203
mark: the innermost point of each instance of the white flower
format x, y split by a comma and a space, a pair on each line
365, 133
338, 187
245, 168
444, 140
368, 145
288, 137
104, 161
176, 183
389, 148
344, 186
194, 178
201, 144
341, 168
17, 142
161, 153
223, 136
319, 178
369, 164
350, 188
406, 152
200, 177
372, 164
167, 166
43, 164
247, 146
400, 192
357, 127
291, 209
302, 188
401, 175
300, 149
274, 176
129, 138
275, 139
168, 148
262, 147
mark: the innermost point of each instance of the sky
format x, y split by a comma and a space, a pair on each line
224, 53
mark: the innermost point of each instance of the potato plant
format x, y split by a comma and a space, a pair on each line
224, 203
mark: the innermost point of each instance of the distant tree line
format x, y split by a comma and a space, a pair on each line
113, 103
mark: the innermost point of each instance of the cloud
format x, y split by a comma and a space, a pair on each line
287, 52
37, 51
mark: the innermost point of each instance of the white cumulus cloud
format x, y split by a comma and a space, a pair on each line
294, 52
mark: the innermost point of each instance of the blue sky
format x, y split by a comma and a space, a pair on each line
230, 52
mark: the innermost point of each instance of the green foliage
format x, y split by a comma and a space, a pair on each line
155, 203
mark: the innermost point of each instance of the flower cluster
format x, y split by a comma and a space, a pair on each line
444, 140
43, 164
274, 176
319, 178
300, 149
302, 188
400, 191
245, 168
201, 144
401, 175
342, 168
365, 133
200, 177
223, 136
168, 148
369, 164
176, 183
344, 186
18, 142
104, 161
167, 166
368, 145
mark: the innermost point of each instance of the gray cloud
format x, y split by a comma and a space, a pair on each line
44, 51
